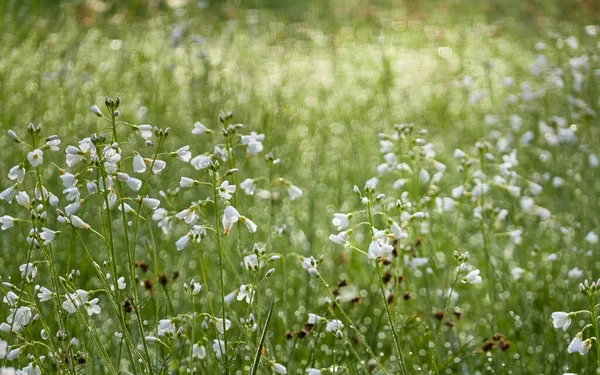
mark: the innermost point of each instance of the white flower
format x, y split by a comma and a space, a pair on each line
44, 294
182, 242
254, 142
158, 165
95, 110
166, 327
28, 271
534, 188
372, 183
591, 238
139, 165
78, 223
334, 325
517, 272
246, 292
198, 351
515, 191
47, 235
221, 153
92, 307
8, 194
375, 250
13, 354
340, 238
557, 182
184, 154
16, 173
249, 186
313, 318
219, 325
340, 221
398, 232
225, 190
145, 131
251, 261
307, 263
150, 203
196, 287
186, 182
199, 129
459, 154
3, 349
278, 368
575, 273
19, 318
121, 283
200, 162
35, 157
294, 192
250, 225
313, 371
74, 300
561, 319
218, 347
230, 217
578, 345
473, 277
7, 222
11, 298
24, 200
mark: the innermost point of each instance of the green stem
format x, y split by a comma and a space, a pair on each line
220, 250
595, 325
385, 303
352, 326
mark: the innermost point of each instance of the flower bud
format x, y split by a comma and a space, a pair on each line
14, 136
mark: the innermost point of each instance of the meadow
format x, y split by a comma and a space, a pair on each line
308, 187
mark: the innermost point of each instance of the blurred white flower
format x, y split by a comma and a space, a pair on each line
340, 221
579, 345
591, 238
218, 347
166, 327
28, 271
249, 186
575, 273
561, 319
7, 222
473, 277
253, 142
198, 351
199, 128
278, 368
145, 131
220, 327
294, 192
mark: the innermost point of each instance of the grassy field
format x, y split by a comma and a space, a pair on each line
437, 160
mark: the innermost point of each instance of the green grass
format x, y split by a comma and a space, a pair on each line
321, 80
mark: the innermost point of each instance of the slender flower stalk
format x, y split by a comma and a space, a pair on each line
222, 282
384, 298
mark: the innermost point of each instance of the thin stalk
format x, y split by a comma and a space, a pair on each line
385, 303
220, 249
130, 258
353, 327
595, 325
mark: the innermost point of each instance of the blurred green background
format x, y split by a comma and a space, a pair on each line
321, 79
